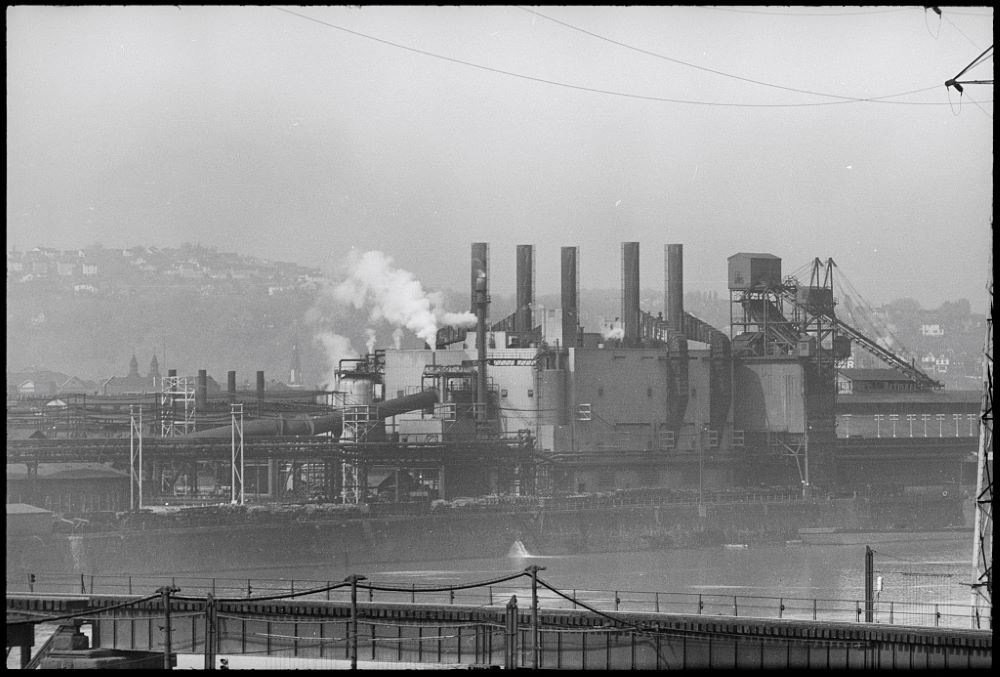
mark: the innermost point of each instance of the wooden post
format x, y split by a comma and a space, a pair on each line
510, 635
533, 570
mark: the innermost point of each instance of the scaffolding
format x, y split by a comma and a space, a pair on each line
177, 406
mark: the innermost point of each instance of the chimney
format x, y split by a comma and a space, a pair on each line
231, 385
482, 301
674, 299
480, 267
570, 296
630, 292
525, 287
201, 395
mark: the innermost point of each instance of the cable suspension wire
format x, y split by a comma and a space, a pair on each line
596, 90
717, 72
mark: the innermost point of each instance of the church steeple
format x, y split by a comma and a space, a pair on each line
133, 367
154, 367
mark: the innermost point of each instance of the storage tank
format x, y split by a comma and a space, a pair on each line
357, 389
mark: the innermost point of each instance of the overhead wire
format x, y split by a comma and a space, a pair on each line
596, 90
717, 72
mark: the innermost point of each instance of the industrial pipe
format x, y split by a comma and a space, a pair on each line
316, 425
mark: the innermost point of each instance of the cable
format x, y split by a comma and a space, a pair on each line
595, 90
710, 70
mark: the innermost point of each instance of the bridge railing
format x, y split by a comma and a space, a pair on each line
893, 612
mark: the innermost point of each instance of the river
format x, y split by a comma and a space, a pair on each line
915, 576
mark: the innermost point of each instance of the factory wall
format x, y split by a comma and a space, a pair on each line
627, 393
768, 396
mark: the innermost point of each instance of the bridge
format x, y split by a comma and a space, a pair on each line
529, 625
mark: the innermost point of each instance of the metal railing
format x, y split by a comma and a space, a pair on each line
907, 613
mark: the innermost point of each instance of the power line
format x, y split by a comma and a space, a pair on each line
716, 72
605, 91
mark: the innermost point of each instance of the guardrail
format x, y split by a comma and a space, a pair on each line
917, 614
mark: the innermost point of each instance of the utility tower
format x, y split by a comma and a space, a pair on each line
982, 550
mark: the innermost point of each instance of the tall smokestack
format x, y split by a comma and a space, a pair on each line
201, 395
231, 385
525, 287
674, 299
630, 292
482, 301
480, 268
570, 296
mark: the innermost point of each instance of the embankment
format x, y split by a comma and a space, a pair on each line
252, 540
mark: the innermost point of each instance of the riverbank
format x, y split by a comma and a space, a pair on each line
239, 538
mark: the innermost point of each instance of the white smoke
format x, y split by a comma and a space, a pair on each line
612, 333
337, 348
395, 296
397, 338
370, 343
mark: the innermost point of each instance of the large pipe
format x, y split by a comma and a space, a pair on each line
570, 297
525, 287
630, 292
333, 422
674, 261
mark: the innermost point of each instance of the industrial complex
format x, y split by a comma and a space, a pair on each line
508, 407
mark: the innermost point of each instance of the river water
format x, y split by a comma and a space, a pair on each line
915, 576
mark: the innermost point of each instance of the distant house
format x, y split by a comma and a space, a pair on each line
931, 330
77, 386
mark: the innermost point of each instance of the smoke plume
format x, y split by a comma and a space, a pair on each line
395, 296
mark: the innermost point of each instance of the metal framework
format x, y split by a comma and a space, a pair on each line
237, 466
982, 552
176, 390
135, 453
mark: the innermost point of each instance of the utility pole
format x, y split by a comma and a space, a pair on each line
535, 648
352, 641
168, 658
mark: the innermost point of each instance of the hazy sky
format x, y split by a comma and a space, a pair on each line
294, 134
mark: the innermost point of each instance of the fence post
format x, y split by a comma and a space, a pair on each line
937, 616
130, 585
781, 606
701, 603
83, 586
618, 600
657, 601
736, 608
814, 608
510, 635
491, 595
890, 612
